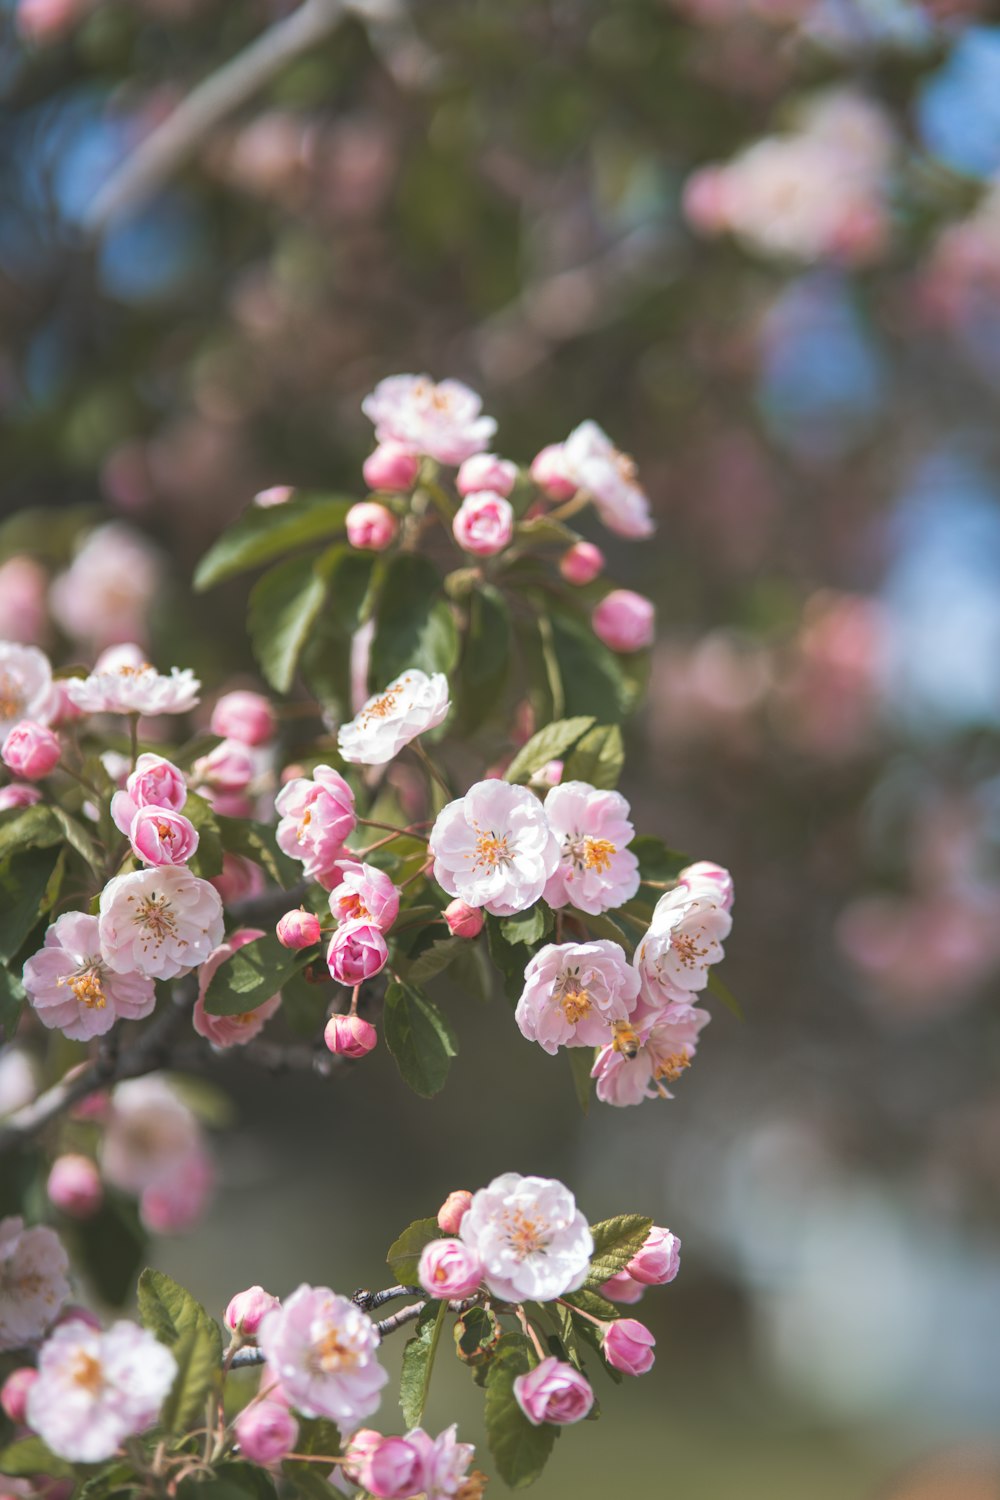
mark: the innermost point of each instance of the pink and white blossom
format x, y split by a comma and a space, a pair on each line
324, 1350
705, 878
484, 524
639, 1065
14, 1393
392, 1470
582, 563
625, 621
596, 871
574, 992
550, 470
628, 1346
31, 750
245, 1310
275, 494
370, 527
33, 1285
683, 941
73, 989
484, 471
23, 614
74, 1186
494, 848
449, 1269
444, 1465
159, 922
177, 1200
532, 1239
659, 1260
393, 466
364, 894
266, 1432
610, 479
317, 816
26, 687
554, 1392
244, 716
350, 1036
161, 837
357, 952
18, 794
104, 595
412, 704
229, 767
96, 1389
155, 782
149, 1136
463, 920
133, 687
623, 1288
233, 1030
443, 421
298, 929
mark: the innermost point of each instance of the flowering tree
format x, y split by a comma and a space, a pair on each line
155, 906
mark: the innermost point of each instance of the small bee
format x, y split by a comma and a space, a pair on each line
624, 1039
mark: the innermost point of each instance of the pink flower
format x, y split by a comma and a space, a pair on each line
324, 1349
683, 941
628, 1346
412, 704
72, 987
244, 1312
160, 922
240, 879
18, 794
230, 767
442, 420
74, 1186
161, 837
638, 1065
177, 1200
393, 466
553, 1392
582, 563
298, 929
659, 1260
484, 524
23, 615
349, 1036
235, 1030
484, 471
463, 920
609, 477
444, 1465
359, 1450
277, 494
96, 1389
574, 992
393, 1470
44, 20
133, 688
31, 750
14, 1393
33, 1285
370, 527
26, 687
266, 1432
596, 871
622, 1288
247, 717
150, 1135
494, 848
624, 621
707, 879
453, 1210
317, 815
357, 951
365, 894
104, 596
533, 1241
449, 1269
550, 471
155, 782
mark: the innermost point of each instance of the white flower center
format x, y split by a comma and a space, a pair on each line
589, 853
525, 1235
155, 915
11, 696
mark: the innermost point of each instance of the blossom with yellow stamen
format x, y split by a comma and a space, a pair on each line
596, 870
73, 990
575, 994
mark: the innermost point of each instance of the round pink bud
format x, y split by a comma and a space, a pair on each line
621, 1288
359, 1450
266, 1432
18, 794
625, 621
658, 1261
246, 1309
448, 1268
161, 837
298, 929
349, 1036
75, 1186
244, 716
706, 878
31, 750
278, 494
453, 1210
484, 525
229, 767
484, 471
393, 1470
14, 1393
370, 527
553, 1392
463, 920
582, 563
357, 951
550, 472
628, 1346
393, 466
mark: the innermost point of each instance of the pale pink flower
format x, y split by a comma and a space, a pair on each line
705, 878
74, 1186
359, 1450
364, 894
443, 421
639, 1065
393, 466
44, 21
494, 848
532, 1239
244, 716
463, 920
623, 1288
317, 815
96, 1389
155, 782
161, 837
133, 687
484, 471
176, 1201
596, 871
659, 1260
14, 1393
350, 1036
246, 1309
72, 987
609, 478
444, 1465
370, 527
276, 494
31, 750
104, 595
266, 1432
150, 1134
323, 1349
628, 1346
161, 922
357, 952
229, 767
18, 794
683, 941
412, 704
574, 992
235, 1030
240, 879
392, 1470
555, 1392
22, 600
33, 1285
551, 472
582, 563
298, 929
453, 1210
18, 1080
26, 687
449, 1269
484, 524
624, 621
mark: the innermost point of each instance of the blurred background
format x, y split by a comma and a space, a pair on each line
759, 242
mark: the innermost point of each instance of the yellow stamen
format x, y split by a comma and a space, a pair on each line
575, 1003
87, 988
11, 699
331, 1355
491, 851
525, 1236
472, 1486
672, 1067
87, 1373
597, 854
384, 705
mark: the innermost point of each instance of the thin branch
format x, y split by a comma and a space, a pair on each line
397, 1320
368, 1301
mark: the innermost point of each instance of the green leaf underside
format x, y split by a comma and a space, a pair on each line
581, 1060
403, 1255
263, 534
615, 1242
520, 1450
253, 974
284, 604
414, 624
549, 743
598, 758
527, 926
30, 1456
193, 1338
719, 988
23, 880
418, 1362
419, 1038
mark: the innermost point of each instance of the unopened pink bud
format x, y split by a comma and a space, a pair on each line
582, 563
228, 768
75, 1187
266, 1432
14, 1393
357, 952
244, 716
394, 1470
484, 471
622, 1288
359, 1450
463, 920
658, 1261
278, 494
484, 525
448, 1269
349, 1036
553, 1392
624, 620
246, 1310
453, 1210
392, 466
550, 472
370, 527
161, 837
18, 794
628, 1346
298, 929
31, 750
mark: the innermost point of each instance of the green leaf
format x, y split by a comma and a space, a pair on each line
520, 1450
567, 1332
542, 529
656, 861
615, 1242
117, 1479
549, 743
485, 659
12, 998
598, 758
253, 974
264, 533
414, 624
509, 960
193, 1338
598, 1307
403, 1255
256, 842
601, 924
229, 1482
435, 959
721, 989
581, 1060
34, 827
592, 678
351, 581
419, 1038
527, 926
30, 1456
418, 1362
78, 838
477, 1334
207, 862
317, 1435
284, 605
24, 878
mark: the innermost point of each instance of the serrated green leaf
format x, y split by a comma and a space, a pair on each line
403, 1255
581, 1060
435, 959
34, 827
419, 1038
719, 987
24, 878
527, 927
615, 1242
284, 604
30, 1456
414, 625
264, 533
194, 1339
597, 758
253, 974
520, 1450
418, 1362
549, 743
